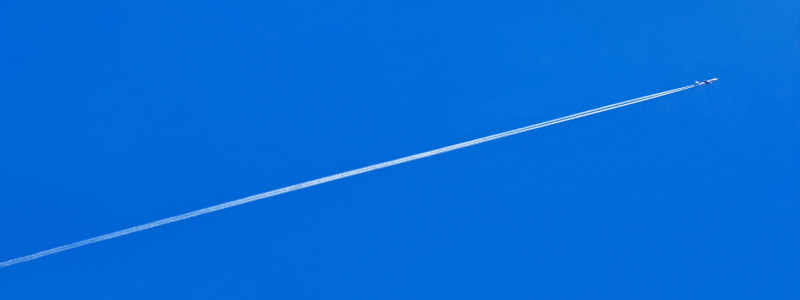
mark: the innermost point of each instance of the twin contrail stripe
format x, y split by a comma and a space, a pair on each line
330, 178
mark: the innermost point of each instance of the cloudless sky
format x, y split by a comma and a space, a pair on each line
117, 114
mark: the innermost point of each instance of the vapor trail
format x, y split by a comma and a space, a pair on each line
330, 178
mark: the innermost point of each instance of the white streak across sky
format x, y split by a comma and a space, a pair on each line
329, 178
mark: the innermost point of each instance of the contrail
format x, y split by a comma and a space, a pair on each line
331, 178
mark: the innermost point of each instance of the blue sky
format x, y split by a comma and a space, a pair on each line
118, 114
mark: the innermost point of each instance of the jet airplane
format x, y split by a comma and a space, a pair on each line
705, 82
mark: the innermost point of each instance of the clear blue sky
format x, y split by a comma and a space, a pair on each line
113, 115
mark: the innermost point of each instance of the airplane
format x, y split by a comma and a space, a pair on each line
705, 82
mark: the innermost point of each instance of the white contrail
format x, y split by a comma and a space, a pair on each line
330, 178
